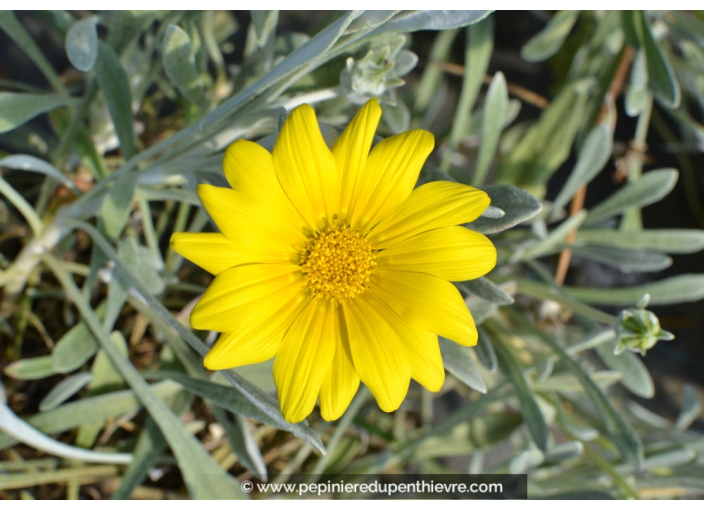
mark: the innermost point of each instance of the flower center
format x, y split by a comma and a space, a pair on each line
338, 263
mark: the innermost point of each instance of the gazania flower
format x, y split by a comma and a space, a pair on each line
330, 261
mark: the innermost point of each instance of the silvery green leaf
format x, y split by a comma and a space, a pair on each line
459, 363
180, 66
637, 93
676, 289
150, 445
647, 189
410, 21
243, 443
114, 85
22, 431
581, 432
116, 208
485, 351
526, 461
593, 155
90, 409
369, 19
635, 377
203, 477
554, 240
29, 369
494, 112
480, 309
669, 458
404, 62
264, 22
64, 390
627, 440
568, 383
665, 240
218, 394
134, 257
13, 28
106, 378
76, 347
691, 408
82, 43
486, 289
32, 164
519, 206
532, 415
398, 117
661, 77
626, 260
565, 451
16, 108
549, 40
260, 374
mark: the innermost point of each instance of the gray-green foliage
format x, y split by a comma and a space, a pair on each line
551, 390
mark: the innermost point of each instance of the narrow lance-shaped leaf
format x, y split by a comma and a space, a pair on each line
16, 108
180, 66
64, 390
635, 375
485, 351
532, 415
460, 364
29, 369
431, 20
676, 289
114, 85
625, 437
73, 414
33, 164
197, 466
554, 239
625, 260
494, 112
648, 189
661, 77
548, 41
665, 240
593, 155
22, 431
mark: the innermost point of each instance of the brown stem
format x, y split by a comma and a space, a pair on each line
577, 205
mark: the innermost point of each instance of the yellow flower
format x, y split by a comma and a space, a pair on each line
330, 261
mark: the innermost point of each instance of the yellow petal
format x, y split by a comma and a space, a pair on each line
430, 206
426, 360
340, 383
389, 176
257, 339
451, 253
352, 150
304, 358
235, 296
377, 351
422, 349
306, 168
249, 168
427, 302
211, 251
261, 235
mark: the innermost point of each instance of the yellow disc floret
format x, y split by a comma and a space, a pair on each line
338, 263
